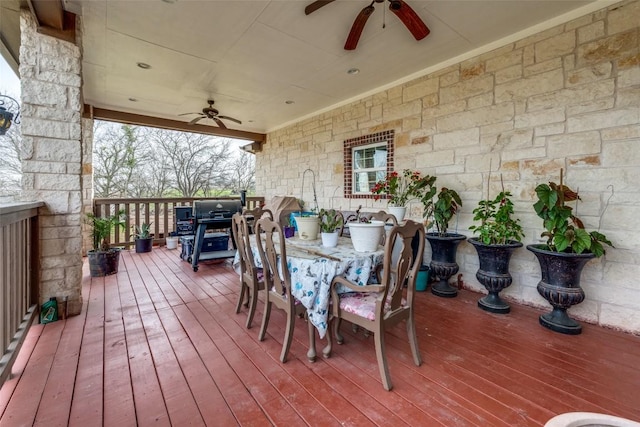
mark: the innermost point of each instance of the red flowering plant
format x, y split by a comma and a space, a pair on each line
401, 189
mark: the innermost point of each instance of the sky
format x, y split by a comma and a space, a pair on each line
9, 83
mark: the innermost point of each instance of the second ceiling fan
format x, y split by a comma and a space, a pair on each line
402, 10
213, 114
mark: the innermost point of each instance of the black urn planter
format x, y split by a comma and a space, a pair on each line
103, 263
144, 245
493, 273
560, 285
443, 262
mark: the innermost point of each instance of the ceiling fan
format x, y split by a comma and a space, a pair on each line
213, 114
402, 10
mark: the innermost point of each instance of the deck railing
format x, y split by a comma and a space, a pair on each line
18, 278
157, 212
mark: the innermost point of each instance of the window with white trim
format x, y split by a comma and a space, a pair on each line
369, 166
367, 159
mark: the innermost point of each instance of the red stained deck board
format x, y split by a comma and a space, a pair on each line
267, 376
244, 408
174, 351
87, 403
24, 402
210, 402
178, 398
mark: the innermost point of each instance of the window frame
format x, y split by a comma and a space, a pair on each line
354, 144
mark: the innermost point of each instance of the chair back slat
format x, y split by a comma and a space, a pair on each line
400, 266
273, 254
241, 235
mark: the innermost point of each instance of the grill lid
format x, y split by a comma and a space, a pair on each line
216, 209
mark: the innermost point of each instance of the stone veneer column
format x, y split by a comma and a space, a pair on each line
52, 159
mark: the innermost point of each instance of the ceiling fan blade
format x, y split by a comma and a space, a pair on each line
186, 114
358, 26
219, 122
230, 118
409, 18
316, 5
196, 120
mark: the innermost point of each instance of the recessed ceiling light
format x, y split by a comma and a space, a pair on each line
143, 65
133, 100
353, 71
289, 102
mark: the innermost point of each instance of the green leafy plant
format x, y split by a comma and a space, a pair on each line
440, 211
101, 228
497, 227
143, 231
563, 230
330, 220
401, 189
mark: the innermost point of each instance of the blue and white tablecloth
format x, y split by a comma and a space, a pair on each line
311, 274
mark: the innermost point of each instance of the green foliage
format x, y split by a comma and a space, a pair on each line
442, 210
497, 227
143, 231
330, 220
101, 228
563, 230
401, 189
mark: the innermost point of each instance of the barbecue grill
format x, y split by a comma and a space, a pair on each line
212, 214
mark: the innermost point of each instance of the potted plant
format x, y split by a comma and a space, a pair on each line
288, 229
401, 189
330, 223
568, 248
499, 235
444, 245
308, 225
103, 260
365, 234
143, 238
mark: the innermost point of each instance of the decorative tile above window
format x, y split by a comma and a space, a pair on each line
367, 159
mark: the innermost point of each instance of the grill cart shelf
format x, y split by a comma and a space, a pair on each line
212, 214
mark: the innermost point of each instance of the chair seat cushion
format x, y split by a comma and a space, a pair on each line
363, 304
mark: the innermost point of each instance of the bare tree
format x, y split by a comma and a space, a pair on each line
197, 160
117, 154
241, 173
132, 161
11, 161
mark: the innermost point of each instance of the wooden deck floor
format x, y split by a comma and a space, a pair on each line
158, 344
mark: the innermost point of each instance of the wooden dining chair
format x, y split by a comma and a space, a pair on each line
378, 307
253, 215
270, 241
251, 277
385, 217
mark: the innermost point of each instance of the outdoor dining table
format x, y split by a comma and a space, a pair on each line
312, 268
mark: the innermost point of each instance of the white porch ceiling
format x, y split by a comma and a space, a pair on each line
252, 56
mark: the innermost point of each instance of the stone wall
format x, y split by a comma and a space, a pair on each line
50, 76
567, 97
